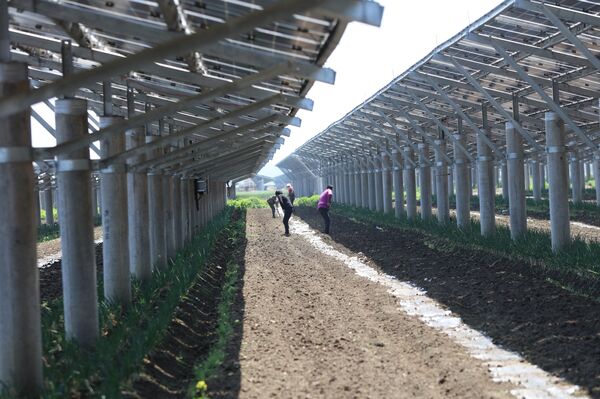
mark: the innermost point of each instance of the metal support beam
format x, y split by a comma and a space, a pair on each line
180, 45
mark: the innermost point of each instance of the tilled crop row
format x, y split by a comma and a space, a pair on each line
510, 300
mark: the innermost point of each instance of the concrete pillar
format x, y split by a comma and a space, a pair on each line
357, 183
95, 208
576, 193
371, 182
378, 184
433, 181
398, 182
168, 187
537, 184
364, 183
20, 326
341, 183
473, 178
140, 265
451, 181
504, 177
386, 179
596, 172
587, 171
410, 184
49, 206
425, 179
441, 178
185, 209
115, 248
78, 263
486, 188
516, 186
558, 185
156, 213
542, 167
461, 170
177, 222
37, 207
527, 176
350, 182
581, 174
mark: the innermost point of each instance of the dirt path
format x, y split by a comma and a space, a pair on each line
312, 328
49, 251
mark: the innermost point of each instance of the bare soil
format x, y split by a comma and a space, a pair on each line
48, 251
49, 263
312, 328
509, 300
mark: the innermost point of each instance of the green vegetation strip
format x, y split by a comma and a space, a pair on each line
126, 336
577, 268
543, 205
226, 323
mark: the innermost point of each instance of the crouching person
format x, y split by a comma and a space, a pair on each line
323, 206
288, 209
272, 201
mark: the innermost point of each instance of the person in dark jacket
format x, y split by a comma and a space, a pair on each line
291, 193
288, 209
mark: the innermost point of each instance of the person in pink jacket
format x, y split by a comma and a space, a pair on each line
323, 206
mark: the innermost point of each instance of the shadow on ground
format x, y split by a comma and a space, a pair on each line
508, 300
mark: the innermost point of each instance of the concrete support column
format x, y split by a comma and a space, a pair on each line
441, 185
37, 207
364, 183
587, 171
398, 184
20, 326
78, 263
527, 176
386, 179
461, 170
177, 221
49, 206
486, 187
576, 193
425, 179
372, 189
542, 167
378, 184
516, 186
596, 172
185, 209
473, 177
156, 213
504, 177
451, 181
537, 184
140, 265
340, 182
558, 185
95, 208
115, 248
357, 183
350, 182
168, 187
410, 184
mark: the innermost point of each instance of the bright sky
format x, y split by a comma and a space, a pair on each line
367, 58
